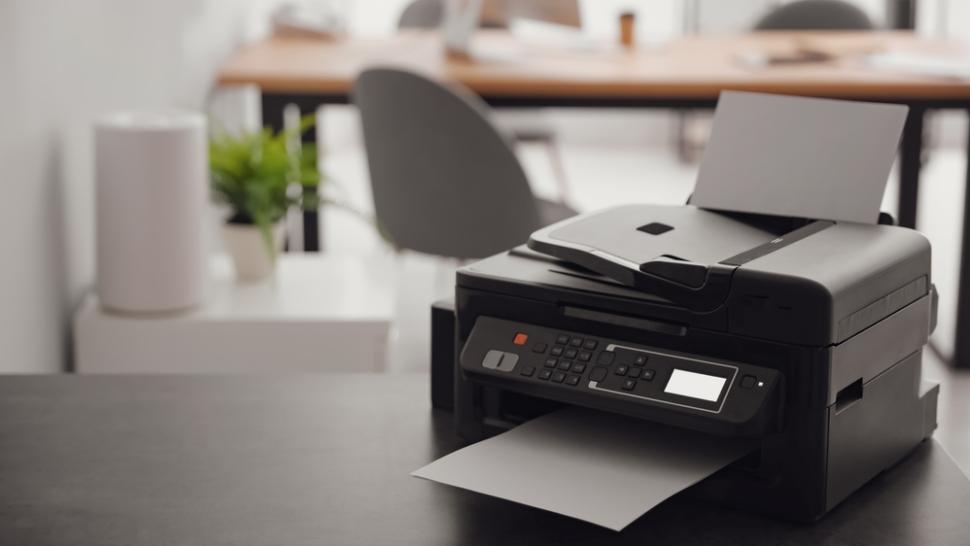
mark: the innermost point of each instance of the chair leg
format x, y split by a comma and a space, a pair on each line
681, 142
394, 337
558, 167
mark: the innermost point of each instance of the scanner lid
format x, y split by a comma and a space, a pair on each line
640, 233
684, 254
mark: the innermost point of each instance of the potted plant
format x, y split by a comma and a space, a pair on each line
259, 176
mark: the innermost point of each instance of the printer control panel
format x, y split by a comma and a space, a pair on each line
557, 363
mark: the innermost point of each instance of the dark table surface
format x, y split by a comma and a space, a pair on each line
324, 459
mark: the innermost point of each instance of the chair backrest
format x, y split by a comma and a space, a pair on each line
444, 180
428, 14
816, 15
422, 14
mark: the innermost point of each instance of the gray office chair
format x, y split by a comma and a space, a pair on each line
815, 15
422, 14
444, 180
430, 14
522, 125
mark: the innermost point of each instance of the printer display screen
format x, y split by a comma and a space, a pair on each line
695, 385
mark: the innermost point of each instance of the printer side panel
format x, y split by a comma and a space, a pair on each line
467, 396
443, 354
879, 407
883, 421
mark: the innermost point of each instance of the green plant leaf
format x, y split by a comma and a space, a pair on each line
252, 173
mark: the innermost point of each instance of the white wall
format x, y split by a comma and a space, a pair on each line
62, 63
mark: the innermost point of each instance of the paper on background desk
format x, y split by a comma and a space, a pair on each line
800, 157
917, 64
597, 467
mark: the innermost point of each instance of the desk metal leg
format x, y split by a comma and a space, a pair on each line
311, 218
272, 108
910, 161
961, 347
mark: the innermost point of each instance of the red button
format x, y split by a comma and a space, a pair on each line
520, 338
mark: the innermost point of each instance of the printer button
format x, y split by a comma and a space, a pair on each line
585, 356
576, 341
634, 373
748, 381
509, 360
556, 351
528, 371
550, 363
621, 369
558, 377
565, 364
598, 374
589, 344
492, 359
539, 348
545, 374
648, 375
629, 384
605, 358
572, 380
562, 339
579, 367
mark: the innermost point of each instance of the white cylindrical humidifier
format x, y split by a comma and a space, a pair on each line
151, 176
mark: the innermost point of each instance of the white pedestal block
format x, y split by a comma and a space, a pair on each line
320, 313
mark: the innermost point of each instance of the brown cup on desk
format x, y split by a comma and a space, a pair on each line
628, 23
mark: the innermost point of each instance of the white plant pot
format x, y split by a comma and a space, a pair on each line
249, 254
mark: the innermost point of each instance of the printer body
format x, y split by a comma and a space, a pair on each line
803, 337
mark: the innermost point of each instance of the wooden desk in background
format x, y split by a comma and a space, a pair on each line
684, 73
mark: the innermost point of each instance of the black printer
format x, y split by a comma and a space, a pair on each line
803, 336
